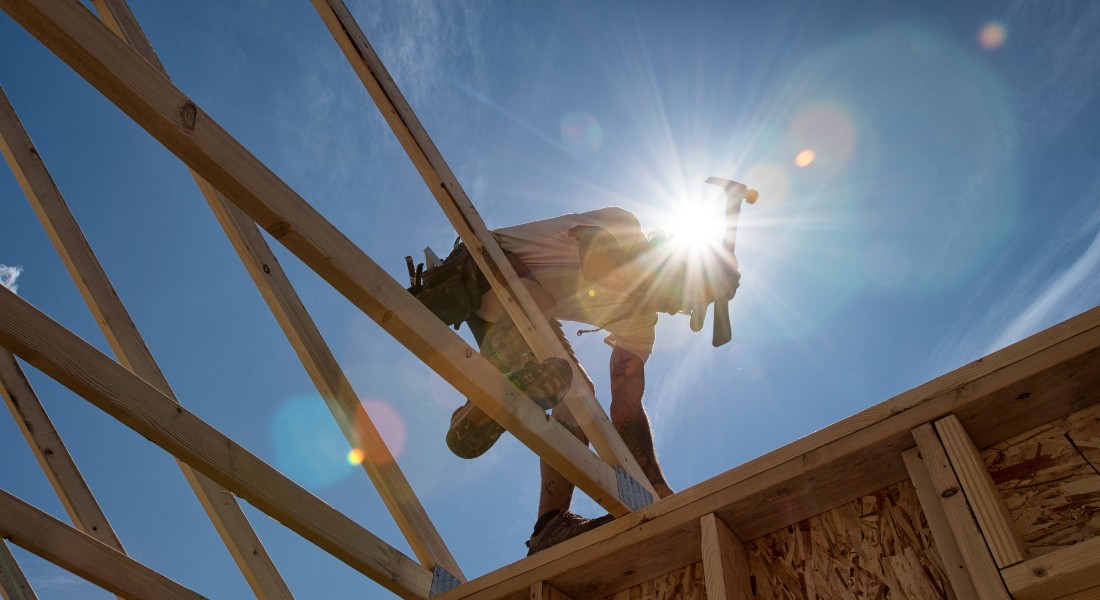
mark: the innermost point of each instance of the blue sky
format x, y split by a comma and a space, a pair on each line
950, 209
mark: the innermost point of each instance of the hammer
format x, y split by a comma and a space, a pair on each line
735, 193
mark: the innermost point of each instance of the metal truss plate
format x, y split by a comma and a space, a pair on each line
442, 581
630, 491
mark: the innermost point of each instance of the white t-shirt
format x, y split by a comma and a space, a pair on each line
553, 256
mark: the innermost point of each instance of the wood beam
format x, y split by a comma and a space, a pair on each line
1035, 381
946, 544
78, 38
13, 584
83, 555
976, 555
54, 458
323, 369
1065, 571
725, 563
995, 522
135, 403
122, 334
483, 247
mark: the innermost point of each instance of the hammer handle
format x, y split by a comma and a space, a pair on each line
735, 193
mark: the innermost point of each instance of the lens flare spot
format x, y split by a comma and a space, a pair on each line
389, 423
992, 35
355, 457
307, 443
826, 127
581, 132
805, 158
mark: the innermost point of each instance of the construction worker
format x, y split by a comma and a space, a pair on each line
596, 268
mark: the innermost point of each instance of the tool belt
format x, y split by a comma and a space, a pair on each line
452, 290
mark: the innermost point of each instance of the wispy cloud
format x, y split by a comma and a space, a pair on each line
9, 275
1062, 70
1068, 293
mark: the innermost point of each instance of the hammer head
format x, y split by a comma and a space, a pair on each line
734, 190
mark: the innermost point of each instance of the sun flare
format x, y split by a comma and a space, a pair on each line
695, 226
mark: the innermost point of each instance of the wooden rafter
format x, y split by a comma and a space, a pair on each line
471, 228
13, 583
78, 38
126, 342
316, 357
77, 365
83, 555
54, 458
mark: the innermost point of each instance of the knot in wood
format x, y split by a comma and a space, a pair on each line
188, 114
1023, 396
949, 492
1040, 572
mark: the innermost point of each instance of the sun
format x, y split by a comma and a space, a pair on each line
696, 225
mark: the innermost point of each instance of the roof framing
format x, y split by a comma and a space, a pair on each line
137, 88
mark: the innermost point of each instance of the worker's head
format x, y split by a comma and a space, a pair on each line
683, 278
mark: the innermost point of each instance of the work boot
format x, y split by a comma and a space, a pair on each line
562, 526
473, 432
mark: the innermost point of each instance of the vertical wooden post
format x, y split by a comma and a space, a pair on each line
942, 533
976, 555
725, 564
1000, 533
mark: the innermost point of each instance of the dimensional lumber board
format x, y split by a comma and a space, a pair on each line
878, 546
975, 553
80, 554
1065, 571
52, 454
1049, 478
725, 563
13, 583
946, 544
989, 509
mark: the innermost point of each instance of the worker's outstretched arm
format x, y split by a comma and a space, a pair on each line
629, 418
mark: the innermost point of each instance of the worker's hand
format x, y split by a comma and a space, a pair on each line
721, 281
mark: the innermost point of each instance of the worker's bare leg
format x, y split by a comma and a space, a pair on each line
629, 417
557, 491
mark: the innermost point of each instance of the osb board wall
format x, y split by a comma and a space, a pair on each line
1050, 479
682, 584
878, 547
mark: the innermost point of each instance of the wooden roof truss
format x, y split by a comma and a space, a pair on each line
929, 435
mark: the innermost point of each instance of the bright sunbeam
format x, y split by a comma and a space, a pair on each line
695, 226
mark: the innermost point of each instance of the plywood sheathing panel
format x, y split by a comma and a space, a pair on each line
878, 546
685, 583
1049, 478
